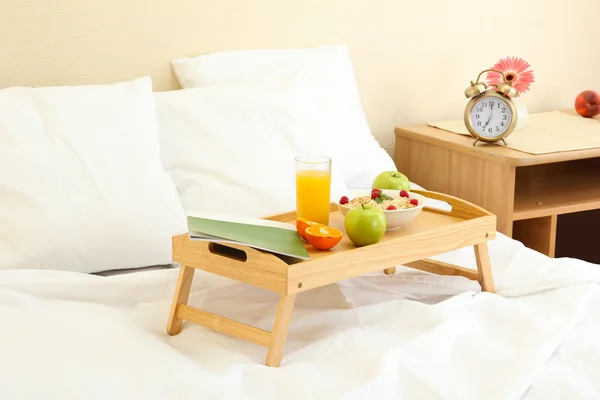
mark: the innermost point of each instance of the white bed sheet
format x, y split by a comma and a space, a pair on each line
113, 272
412, 336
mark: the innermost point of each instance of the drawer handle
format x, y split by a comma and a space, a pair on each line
226, 251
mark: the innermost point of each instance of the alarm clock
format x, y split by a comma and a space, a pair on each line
490, 114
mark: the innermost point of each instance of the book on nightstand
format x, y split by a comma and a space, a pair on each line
271, 236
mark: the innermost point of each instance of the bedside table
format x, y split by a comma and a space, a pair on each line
549, 202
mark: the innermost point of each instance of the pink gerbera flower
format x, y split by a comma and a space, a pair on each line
515, 71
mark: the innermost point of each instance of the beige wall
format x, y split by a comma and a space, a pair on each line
412, 59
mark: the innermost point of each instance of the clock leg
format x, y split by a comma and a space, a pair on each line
503, 141
475, 142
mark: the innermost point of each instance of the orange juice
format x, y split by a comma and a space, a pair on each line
313, 195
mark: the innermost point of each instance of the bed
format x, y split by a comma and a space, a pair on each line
411, 335
84, 315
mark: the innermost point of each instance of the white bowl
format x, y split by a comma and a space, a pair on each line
394, 218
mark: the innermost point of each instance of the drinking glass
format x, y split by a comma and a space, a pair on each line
313, 187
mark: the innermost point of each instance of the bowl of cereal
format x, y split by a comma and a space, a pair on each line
399, 207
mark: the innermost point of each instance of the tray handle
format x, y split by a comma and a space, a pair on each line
188, 251
460, 208
237, 252
230, 252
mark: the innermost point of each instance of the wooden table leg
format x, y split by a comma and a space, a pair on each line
482, 257
181, 296
390, 271
274, 341
280, 329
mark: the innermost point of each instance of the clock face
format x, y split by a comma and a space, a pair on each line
491, 117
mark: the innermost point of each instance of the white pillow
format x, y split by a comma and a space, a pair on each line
231, 149
325, 65
327, 70
82, 186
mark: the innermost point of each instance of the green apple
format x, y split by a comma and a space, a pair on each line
365, 224
391, 180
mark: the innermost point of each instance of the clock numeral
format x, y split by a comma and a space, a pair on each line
497, 129
503, 110
490, 130
502, 123
479, 109
476, 116
504, 117
478, 123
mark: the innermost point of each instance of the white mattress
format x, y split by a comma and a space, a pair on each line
408, 336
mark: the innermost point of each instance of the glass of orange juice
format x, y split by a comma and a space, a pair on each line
313, 187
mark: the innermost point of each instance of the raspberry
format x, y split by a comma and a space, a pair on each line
414, 202
375, 193
403, 193
391, 208
344, 200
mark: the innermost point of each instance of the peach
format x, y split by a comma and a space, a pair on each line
587, 104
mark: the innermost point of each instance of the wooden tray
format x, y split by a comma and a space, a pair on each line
431, 233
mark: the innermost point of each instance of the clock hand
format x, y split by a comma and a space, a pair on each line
491, 115
487, 123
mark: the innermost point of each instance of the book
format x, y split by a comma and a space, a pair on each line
271, 236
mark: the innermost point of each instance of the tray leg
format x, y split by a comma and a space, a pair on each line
280, 329
181, 296
390, 271
482, 257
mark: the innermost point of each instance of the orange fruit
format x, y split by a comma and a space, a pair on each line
323, 237
302, 224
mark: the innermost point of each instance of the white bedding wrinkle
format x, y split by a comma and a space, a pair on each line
411, 335
573, 370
